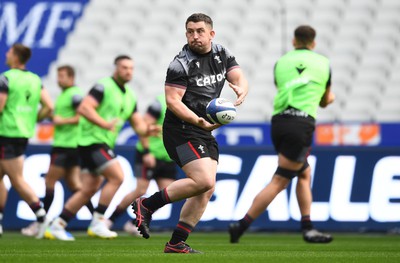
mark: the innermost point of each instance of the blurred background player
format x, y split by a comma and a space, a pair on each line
105, 109
303, 80
151, 162
21, 92
64, 161
186, 131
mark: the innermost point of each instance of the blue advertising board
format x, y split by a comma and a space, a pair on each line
354, 189
326, 134
41, 25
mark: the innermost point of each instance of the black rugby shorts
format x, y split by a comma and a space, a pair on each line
162, 169
292, 136
95, 157
64, 157
186, 144
12, 147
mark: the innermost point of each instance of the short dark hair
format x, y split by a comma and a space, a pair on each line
304, 35
121, 57
199, 17
69, 69
22, 52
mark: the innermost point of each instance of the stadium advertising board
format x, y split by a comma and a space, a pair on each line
258, 134
41, 25
354, 189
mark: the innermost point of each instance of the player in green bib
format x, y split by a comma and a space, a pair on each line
303, 80
104, 110
64, 162
151, 162
21, 93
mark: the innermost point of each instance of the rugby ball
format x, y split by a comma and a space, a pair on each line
220, 111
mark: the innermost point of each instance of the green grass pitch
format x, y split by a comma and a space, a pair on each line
253, 247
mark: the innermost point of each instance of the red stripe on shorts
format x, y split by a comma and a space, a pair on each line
53, 158
144, 169
194, 150
105, 154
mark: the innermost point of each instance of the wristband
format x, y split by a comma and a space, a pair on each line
145, 151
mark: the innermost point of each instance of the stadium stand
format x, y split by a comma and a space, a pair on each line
362, 39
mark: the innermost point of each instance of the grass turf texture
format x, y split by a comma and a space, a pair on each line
253, 247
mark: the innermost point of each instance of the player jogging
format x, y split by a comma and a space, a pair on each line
303, 81
194, 77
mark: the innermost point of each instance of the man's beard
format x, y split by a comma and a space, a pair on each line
198, 49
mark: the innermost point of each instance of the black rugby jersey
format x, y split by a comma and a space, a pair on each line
201, 75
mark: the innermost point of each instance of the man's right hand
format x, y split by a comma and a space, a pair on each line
111, 125
202, 123
154, 130
149, 160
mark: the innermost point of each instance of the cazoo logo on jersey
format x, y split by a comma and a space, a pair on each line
208, 80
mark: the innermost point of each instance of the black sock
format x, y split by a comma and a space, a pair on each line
101, 209
306, 223
157, 200
89, 205
118, 211
66, 215
38, 210
48, 199
180, 233
245, 222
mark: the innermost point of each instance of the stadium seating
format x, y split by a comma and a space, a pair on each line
362, 39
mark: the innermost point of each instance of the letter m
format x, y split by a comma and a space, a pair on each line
13, 31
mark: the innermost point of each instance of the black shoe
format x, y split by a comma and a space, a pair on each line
181, 247
234, 232
314, 236
143, 217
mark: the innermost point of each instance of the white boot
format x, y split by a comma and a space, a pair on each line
56, 230
42, 226
98, 227
109, 223
31, 230
130, 228
1, 224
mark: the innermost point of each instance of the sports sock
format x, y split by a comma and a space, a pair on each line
66, 215
118, 211
89, 205
245, 222
306, 223
180, 233
48, 199
38, 210
157, 200
101, 209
